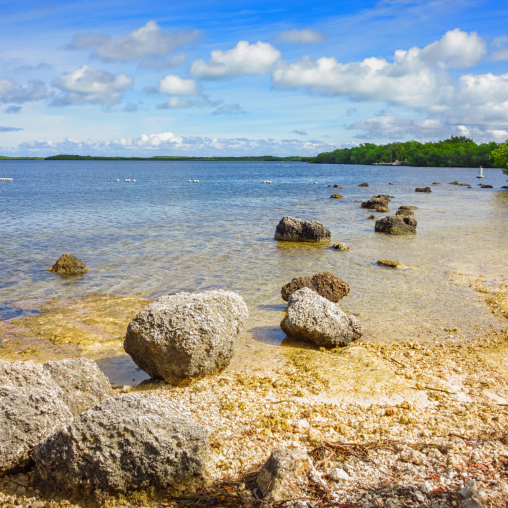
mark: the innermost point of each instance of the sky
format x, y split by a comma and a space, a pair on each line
248, 78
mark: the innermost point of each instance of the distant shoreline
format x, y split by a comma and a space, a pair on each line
262, 158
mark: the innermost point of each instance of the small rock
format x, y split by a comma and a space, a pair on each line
371, 217
436, 183
325, 284
338, 186
364, 184
426, 487
315, 437
467, 491
37, 504
379, 204
69, 265
284, 474
291, 229
390, 263
390, 183
186, 336
423, 189
408, 207
396, 225
407, 213
337, 196
341, 246
338, 474
312, 318
486, 186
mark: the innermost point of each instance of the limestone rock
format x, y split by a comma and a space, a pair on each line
486, 186
284, 474
407, 213
408, 208
364, 184
291, 229
32, 407
337, 196
390, 263
312, 318
126, 443
423, 189
396, 225
341, 246
338, 186
325, 284
186, 336
82, 382
69, 265
436, 183
371, 217
379, 204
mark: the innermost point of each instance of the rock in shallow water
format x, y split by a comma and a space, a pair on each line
291, 229
127, 443
396, 225
341, 246
423, 189
312, 318
186, 336
390, 263
407, 213
324, 284
379, 204
69, 265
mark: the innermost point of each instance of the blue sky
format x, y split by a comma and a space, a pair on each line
282, 78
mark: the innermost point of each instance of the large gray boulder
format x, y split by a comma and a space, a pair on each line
32, 407
396, 225
284, 474
325, 284
127, 443
82, 382
186, 336
291, 229
312, 318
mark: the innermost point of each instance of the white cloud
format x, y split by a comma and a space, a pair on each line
160, 64
500, 55
386, 125
149, 40
130, 107
229, 109
87, 85
499, 41
176, 102
12, 110
305, 36
10, 91
416, 79
299, 133
175, 85
245, 58
170, 143
10, 129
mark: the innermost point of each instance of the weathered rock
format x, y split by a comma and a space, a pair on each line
291, 229
312, 318
338, 474
423, 189
284, 474
126, 443
69, 265
186, 336
396, 225
82, 382
383, 196
338, 186
408, 208
379, 204
486, 186
390, 263
364, 184
341, 246
32, 407
337, 196
390, 183
324, 284
436, 183
371, 217
407, 213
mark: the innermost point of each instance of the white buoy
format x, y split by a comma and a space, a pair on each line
133, 180
6, 179
117, 180
480, 175
190, 181
127, 180
315, 183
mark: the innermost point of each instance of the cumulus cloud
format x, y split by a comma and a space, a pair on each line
88, 85
417, 79
305, 36
43, 66
386, 125
161, 64
244, 58
229, 109
176, 102
12, 110
147, 41
175, 85
10, 129
170, 143
299, 133
10, 91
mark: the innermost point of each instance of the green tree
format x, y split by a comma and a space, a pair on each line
500, 156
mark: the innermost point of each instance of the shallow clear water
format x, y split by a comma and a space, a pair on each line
162, 234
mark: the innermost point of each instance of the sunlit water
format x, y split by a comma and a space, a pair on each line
163, 234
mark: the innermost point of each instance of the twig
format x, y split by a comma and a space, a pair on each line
281, 401
438, 390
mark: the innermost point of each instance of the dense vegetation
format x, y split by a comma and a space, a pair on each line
2, 158
500, 156
169, 158
458, 151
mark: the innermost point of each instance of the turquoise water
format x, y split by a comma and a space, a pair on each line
163, 234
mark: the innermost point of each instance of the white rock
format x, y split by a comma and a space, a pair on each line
338, 474
426, 487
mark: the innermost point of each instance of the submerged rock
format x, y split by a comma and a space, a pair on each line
291, 229
408, 208
396, 225
364, 184
341, 246
325, 284
312, 318
407, 213
337, 196
423, 189
32, 408
338, 186
371, 217
390, 263
436, 183
83, 383
69, 265
186, 336
284, 474
486, 186
380, 204
127, 443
